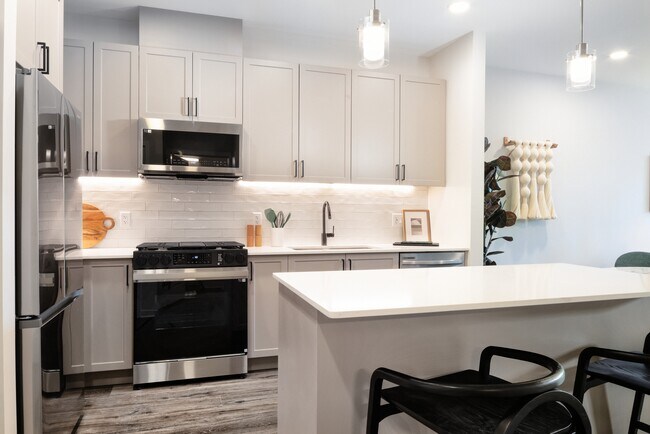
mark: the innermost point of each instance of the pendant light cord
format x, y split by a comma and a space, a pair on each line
582, 21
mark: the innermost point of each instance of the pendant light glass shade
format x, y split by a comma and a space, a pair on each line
580, 69
373, 41
581, 64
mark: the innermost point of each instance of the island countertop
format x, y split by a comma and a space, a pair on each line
357, 294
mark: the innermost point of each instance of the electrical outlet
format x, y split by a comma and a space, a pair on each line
258, 218
397, 219
125, 219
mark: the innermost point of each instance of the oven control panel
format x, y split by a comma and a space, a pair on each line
144, 260
192, 258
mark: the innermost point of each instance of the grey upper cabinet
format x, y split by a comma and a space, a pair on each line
39, 40
375, 127
101, 81
186, 85
115, 110
325, 114
78, 88
165, 83
422, 131
270, 120
217, 88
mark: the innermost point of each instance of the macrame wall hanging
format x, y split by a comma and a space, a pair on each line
530, 194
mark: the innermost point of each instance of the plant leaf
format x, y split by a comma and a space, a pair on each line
486, 144
496, 252
511, 218
508, 239
270, 216
286, 220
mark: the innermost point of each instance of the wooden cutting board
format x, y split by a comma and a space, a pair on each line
95, 225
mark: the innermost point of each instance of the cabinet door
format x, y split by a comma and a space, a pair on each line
78, 89
115, 114
49, 29
317, 263
372, 261
26, 47
109, 316
73, 322
217, 88
375, 128
423, 131
270, 121
263, 305
324, 124
165, 83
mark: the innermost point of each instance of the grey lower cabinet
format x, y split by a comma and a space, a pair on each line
98, 333
317, 263
263, 305
263, 289
372, 261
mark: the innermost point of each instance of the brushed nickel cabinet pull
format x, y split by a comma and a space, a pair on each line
403, 172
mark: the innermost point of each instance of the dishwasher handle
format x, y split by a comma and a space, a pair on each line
434, 262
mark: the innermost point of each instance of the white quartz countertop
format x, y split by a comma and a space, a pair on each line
356, 294
127, 253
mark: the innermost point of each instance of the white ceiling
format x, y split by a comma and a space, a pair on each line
530, 35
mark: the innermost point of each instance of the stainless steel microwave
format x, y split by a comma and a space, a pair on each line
187, 149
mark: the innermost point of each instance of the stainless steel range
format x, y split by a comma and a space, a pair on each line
190, 311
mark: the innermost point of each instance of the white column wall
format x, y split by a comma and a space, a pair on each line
457, 209
7, 237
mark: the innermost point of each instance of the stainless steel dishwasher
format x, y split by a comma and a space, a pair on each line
431, 259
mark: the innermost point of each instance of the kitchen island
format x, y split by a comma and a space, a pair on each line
337, 327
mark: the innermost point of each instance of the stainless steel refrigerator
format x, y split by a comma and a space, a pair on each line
48, 228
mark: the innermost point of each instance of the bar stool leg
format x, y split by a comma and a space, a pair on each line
636, 412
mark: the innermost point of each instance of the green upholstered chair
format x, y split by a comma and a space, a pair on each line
633, 259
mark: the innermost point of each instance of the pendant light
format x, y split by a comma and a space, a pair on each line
580, 64
373, 40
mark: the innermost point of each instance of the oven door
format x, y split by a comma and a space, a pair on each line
190, 313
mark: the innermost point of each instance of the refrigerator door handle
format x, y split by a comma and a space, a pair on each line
37, 321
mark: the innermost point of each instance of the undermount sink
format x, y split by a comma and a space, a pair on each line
354, 247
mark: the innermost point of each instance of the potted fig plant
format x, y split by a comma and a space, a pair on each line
494, 215
278, 222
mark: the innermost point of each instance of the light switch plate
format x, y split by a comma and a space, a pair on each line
125, 219
257, 216
397, 219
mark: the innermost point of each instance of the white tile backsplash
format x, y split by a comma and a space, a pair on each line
177, 210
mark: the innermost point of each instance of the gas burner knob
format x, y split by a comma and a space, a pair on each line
240, 258
141, 261
153, 260
165, 260
228, 258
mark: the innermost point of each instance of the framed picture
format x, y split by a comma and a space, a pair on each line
416, 225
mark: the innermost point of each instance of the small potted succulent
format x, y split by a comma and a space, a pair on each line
278, 222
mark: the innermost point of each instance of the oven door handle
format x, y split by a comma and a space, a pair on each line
189, 274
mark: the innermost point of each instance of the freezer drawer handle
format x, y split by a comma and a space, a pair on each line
37, 321
438, 262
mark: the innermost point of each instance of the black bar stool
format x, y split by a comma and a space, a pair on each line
626, 369
476, 402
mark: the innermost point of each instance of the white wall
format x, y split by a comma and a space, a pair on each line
601, 180
93, 28
259, 43
456, 210
7, 226
205, 210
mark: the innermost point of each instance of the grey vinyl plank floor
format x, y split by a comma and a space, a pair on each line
224, 406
